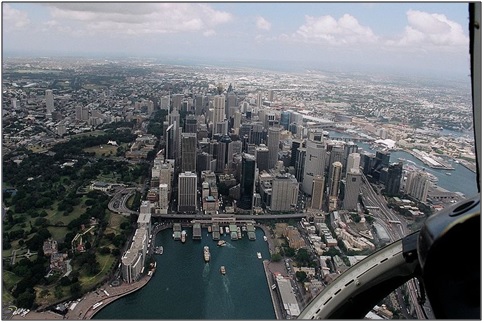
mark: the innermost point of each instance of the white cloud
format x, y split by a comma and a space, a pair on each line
326, 29
263, 24
143, 18
431, 30
14, 18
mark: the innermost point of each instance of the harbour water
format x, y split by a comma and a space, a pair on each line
184, 287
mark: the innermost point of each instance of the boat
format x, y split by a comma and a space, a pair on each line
159, 250
221, 230
227, 230
259, 255
239, 233
183, 236
206, 253
448, 174
222, 270
209, 229
221, 243
265, 238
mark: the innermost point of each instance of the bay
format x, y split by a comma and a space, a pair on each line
184, 287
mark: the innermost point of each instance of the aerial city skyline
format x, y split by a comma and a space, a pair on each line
424, 38
231, 149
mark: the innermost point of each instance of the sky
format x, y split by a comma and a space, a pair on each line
422, 37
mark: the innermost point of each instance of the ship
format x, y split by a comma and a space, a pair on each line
159, 250
206, 253
209, 229
259, 255
227, 230
239, 234
265, 238
221, 243
221, 230
183, 236
222, 270
448, 174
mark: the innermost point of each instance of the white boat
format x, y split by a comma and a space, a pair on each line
221, 230
222, 270
183, 236
265, 238
209, 229
227, 230
206, 253
221, 243
448, 174
159, 250
259, 255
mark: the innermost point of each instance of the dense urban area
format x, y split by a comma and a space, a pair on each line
99, 155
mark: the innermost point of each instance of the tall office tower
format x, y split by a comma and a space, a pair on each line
270, 119
257, 133
285, 191
245, 130
382, 160
271, 95
174, 119
218, 109
262, 157
177, 101
221, 128
235, 147
274, 135
317, 193
231, 102
392, 183
237, 121
170, 142
297, 118
300, 162
163, 201
247, 181
353, 161
314, 164
367, 162
352, 189
49, 102
204, 160
417, 186
337, 154
165, 103
334, 181
350, 147
188, 152
221, 155
187, 192
259, 100
296, 143
198, 102
285, 117
191, 123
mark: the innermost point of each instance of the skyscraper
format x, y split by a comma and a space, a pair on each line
187, 192
262, 157
188, 153
314, 164
285, 191
317, 193
191, 123
247, 182
163, 198
417, 186
273, 145
353, 161
352, 189
392, 183
49, 102
218, 109
335, 179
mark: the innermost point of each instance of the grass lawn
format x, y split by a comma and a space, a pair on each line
105, 263
114, 222
58, 216
58, 233
106, 149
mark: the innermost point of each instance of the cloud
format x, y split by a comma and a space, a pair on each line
430, 30
14, 18
145, 18
263, 24
326, 29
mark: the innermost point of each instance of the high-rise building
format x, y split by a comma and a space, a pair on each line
262, 157
273, 138
317, 194
392, 183
163, 198
337, 154
285, 117
353, 161
218, 109
257, 133
296, 143
382, 160
247, 182
352, 189
417, 185
314, 164
49, 102
234, 147
285, 191
198, 103
165, 103
350, 148
187, 192
177, 101
191, 123
334, 181
300, 162
188, 152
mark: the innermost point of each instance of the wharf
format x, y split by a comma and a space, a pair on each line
197, 231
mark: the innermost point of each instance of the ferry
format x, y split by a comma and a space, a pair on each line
221, 230
183, 236
265, 238
222, 270
159, 250
227, 230
259, 255
206, 253
221, 243
209, 229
